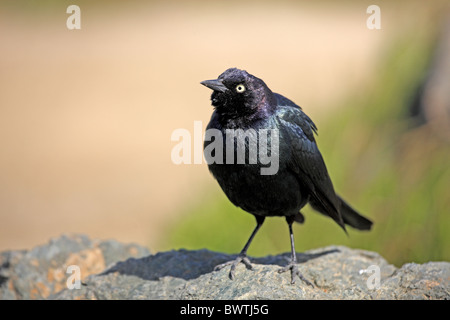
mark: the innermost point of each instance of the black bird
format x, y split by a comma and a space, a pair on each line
243, 101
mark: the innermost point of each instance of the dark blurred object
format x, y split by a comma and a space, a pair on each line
432, 102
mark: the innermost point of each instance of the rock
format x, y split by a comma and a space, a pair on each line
41, 272
111, 270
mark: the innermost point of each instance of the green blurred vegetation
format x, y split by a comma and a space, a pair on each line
394, 172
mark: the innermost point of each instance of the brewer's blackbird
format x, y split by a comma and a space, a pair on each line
243, 101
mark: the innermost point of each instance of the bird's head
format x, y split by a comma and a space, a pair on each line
238, 93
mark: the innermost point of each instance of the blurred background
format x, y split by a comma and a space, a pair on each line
86, 118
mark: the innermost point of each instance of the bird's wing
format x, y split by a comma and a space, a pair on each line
305, 159
285, 103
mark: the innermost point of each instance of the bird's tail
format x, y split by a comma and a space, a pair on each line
353, 218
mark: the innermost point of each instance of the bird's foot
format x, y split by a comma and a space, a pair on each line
241, 258
295, 272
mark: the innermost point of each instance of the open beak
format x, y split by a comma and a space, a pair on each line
215, 85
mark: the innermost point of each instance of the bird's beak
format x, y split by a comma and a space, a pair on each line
215, 85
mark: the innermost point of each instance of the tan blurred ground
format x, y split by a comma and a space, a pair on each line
86, 116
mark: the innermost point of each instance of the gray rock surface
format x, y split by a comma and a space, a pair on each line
42, 271
111, 270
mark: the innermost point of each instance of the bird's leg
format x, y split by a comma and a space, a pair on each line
293, 263
242, 257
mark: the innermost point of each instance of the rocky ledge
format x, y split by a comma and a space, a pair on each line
76, 267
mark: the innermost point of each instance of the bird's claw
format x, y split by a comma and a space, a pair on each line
241, 258
292, 266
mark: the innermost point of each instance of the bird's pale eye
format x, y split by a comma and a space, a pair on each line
240, 88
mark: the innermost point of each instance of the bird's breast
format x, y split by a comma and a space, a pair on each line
269, 195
